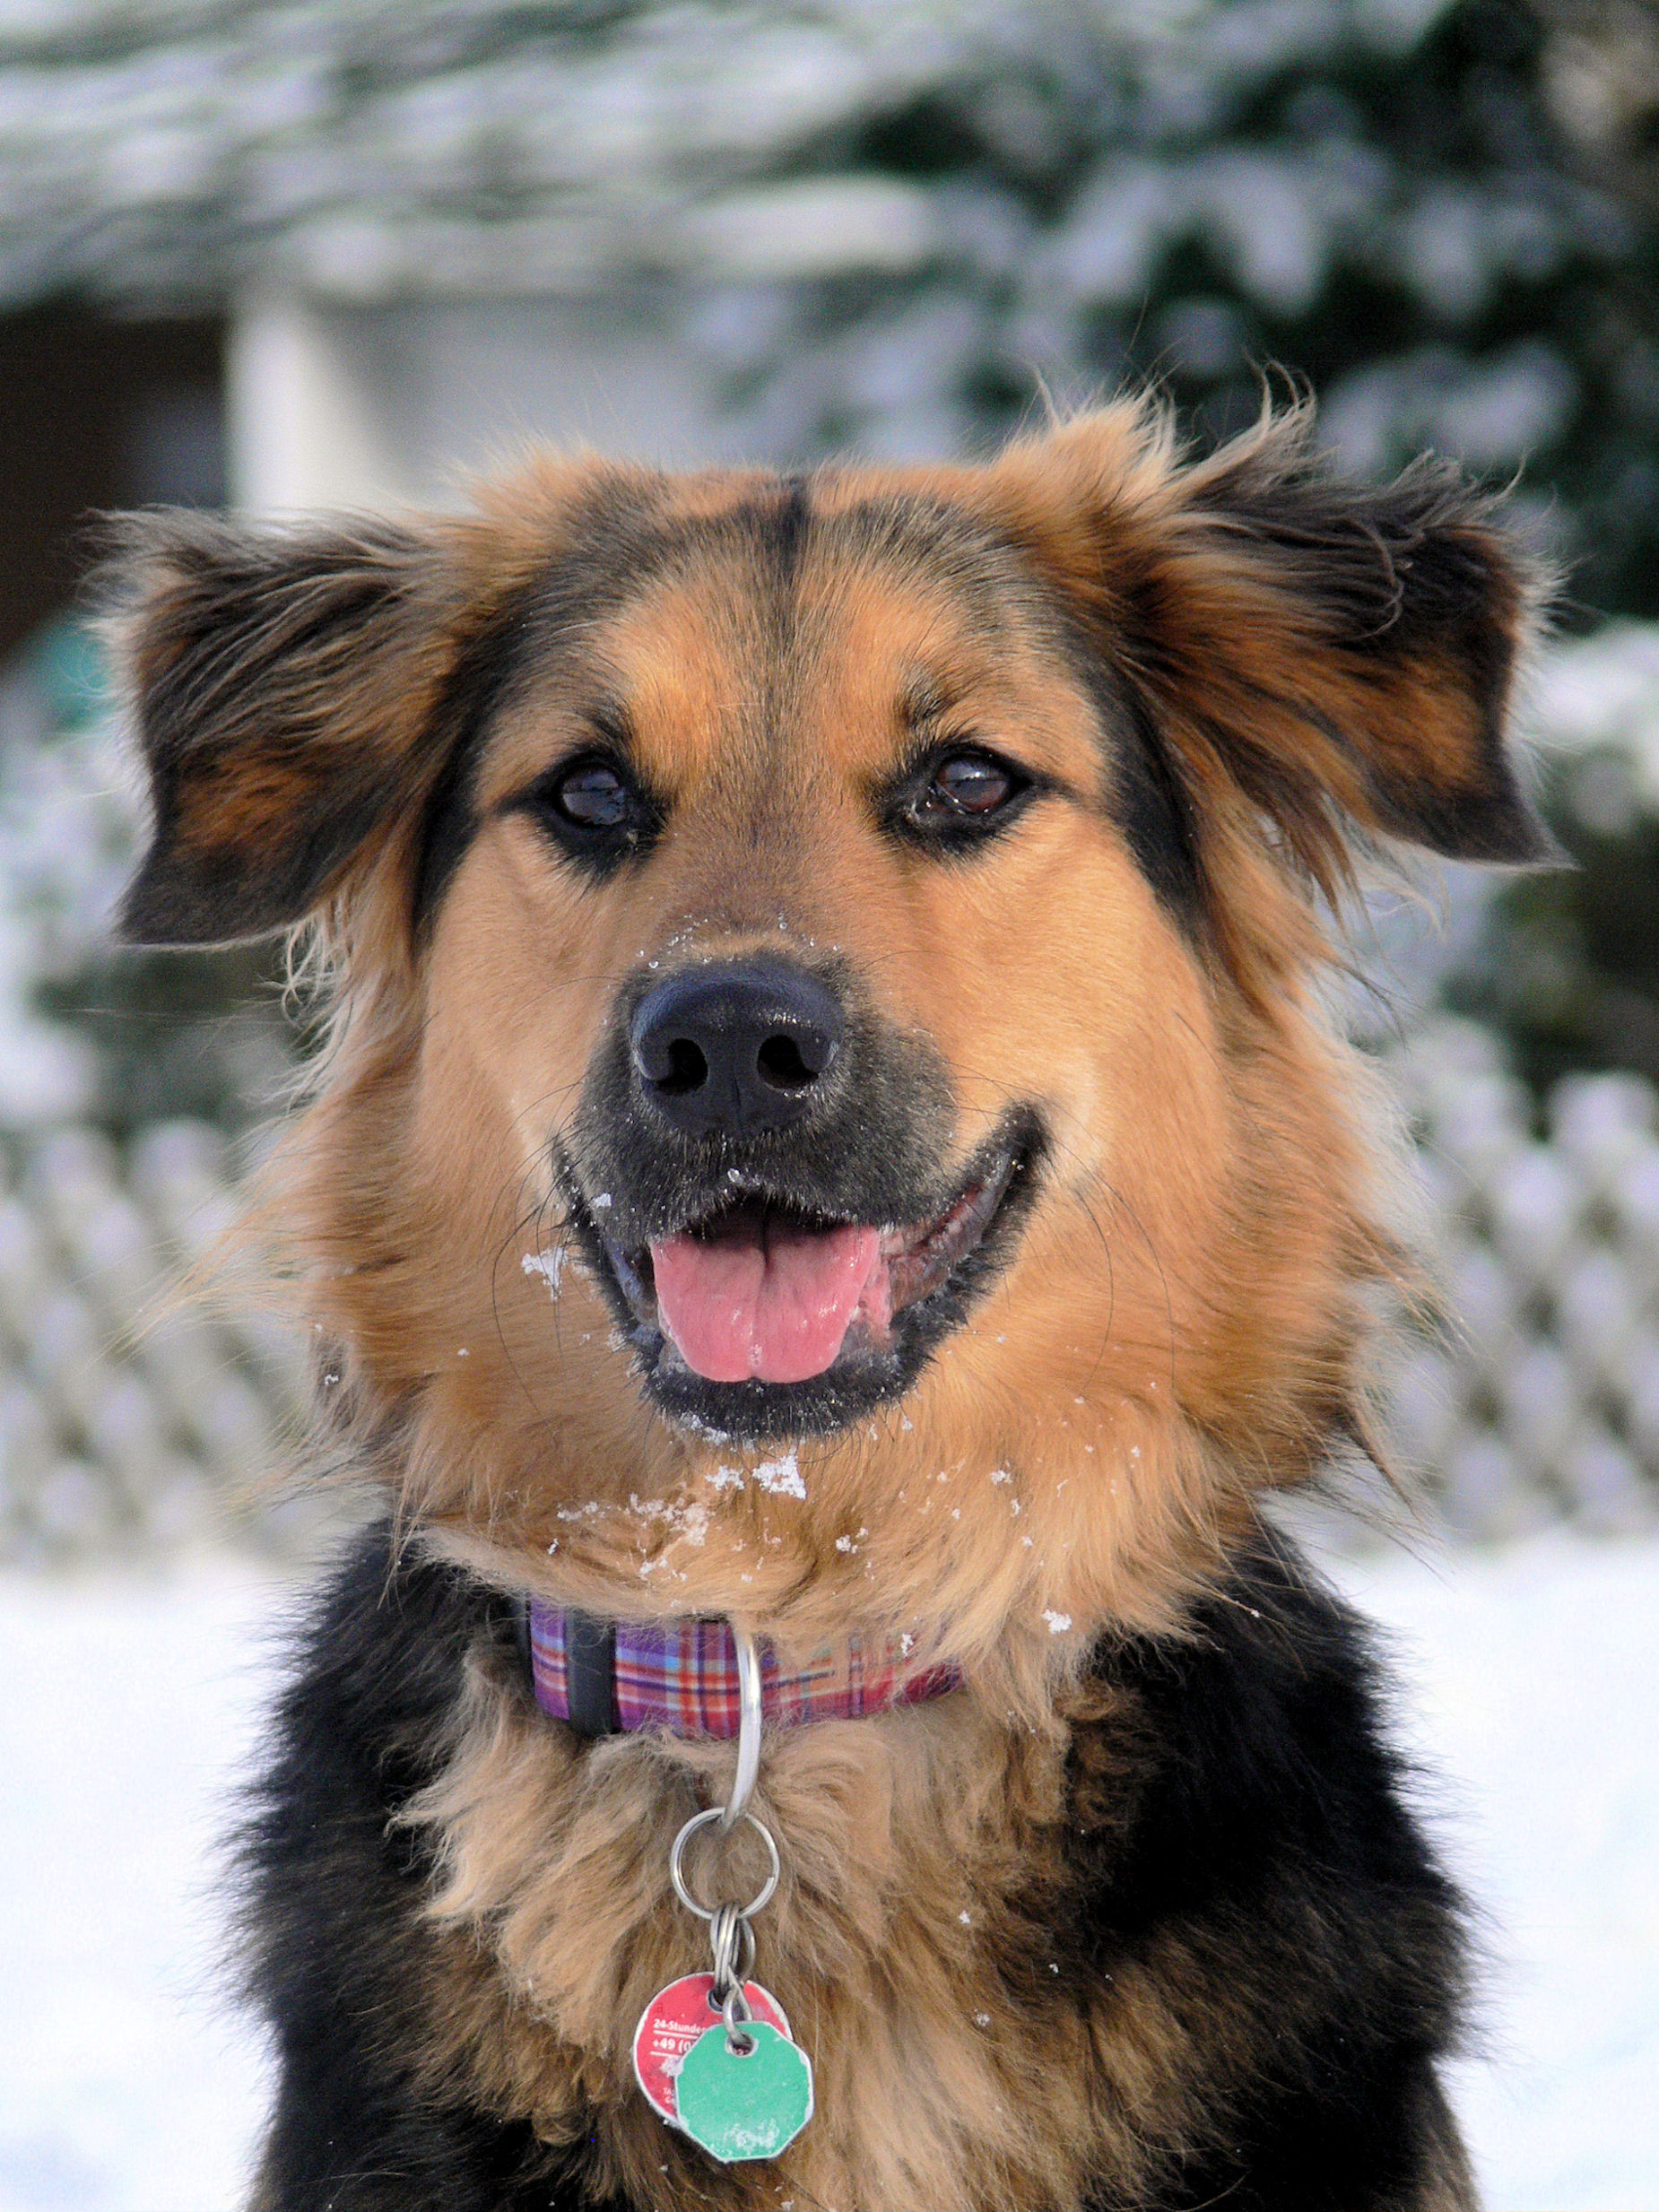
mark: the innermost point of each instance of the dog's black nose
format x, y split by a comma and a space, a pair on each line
736, 1049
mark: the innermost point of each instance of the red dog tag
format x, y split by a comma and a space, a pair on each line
672, 2022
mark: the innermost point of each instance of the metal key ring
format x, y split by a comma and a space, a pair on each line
731, 1944
700, 1820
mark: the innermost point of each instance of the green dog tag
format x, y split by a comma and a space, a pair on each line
744, 2106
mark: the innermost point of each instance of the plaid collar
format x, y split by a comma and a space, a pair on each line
607, 1677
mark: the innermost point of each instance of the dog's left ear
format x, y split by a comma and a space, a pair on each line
284, 686
1318, 644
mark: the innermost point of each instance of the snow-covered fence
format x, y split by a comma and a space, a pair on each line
1539, 1400
125, 1425
1540, 1396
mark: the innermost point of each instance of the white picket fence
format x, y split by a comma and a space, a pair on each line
1540, 1399
127, 1425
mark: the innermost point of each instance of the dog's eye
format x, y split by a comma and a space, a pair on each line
959, 796
595, 810
967, 783
593, 795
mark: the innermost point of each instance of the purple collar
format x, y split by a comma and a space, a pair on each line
605, 1676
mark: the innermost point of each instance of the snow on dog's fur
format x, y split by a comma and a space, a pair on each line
1038, 777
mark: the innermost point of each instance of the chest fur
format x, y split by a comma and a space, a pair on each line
922, 1940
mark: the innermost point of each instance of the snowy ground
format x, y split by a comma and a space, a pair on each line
1531, 1692
1531, 1689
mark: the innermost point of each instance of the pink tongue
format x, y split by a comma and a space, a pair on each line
779, 1308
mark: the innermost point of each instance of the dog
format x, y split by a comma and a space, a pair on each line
829, 1153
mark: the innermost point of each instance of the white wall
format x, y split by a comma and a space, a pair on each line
309, 414
367, 407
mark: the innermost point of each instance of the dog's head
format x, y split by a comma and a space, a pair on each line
824, 977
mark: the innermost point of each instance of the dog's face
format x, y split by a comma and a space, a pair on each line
788, 908
825, 965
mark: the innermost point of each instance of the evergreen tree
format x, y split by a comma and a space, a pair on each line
1383, 197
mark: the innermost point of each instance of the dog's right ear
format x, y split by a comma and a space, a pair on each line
285, 686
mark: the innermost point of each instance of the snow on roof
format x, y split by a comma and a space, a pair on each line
368, 148
173, 150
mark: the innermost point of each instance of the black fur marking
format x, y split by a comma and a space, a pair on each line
1392, 567
450, 821
1271, 1832
979, 564
617, 546
789, 525
333, 1905
1235, 1826
218, 899
1158, 820
1146, 791
1490, 820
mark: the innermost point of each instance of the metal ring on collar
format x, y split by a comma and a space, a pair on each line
763, 1896
731, 1941
750, 1717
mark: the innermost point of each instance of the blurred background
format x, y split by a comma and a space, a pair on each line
293, 255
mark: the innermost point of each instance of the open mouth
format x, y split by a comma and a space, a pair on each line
757, 1291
